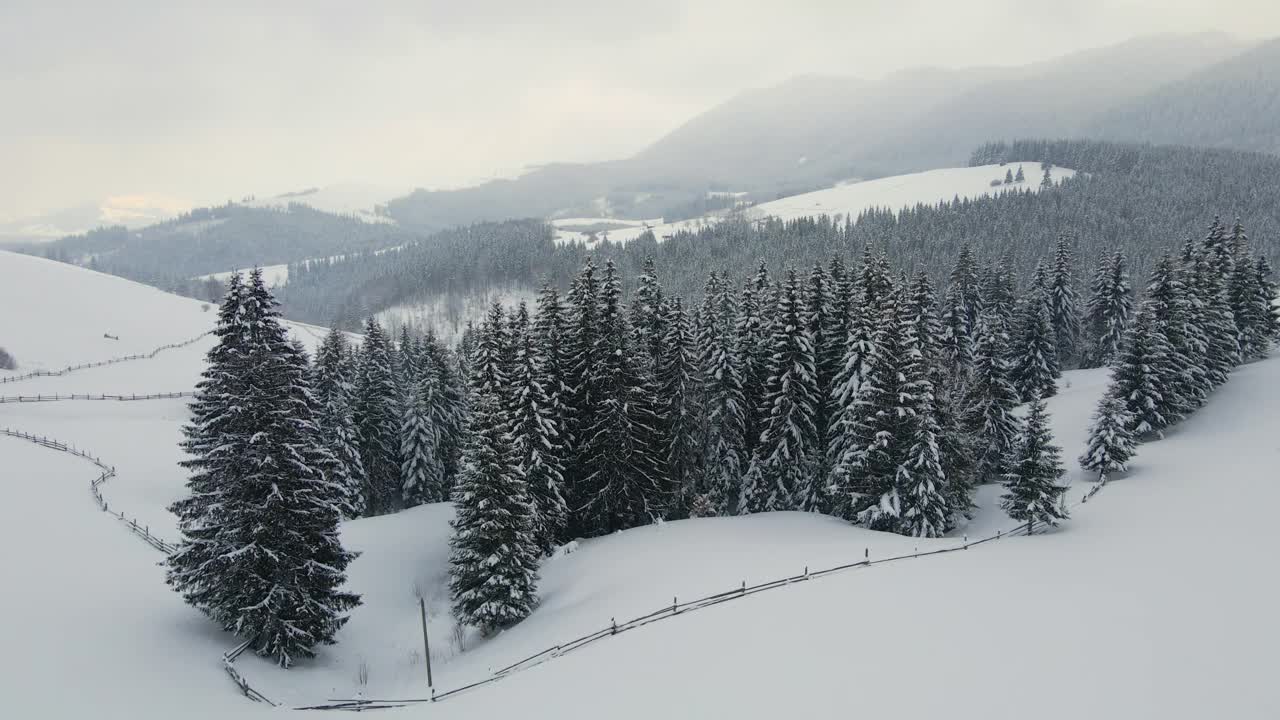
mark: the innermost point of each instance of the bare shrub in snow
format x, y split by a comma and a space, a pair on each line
7, 361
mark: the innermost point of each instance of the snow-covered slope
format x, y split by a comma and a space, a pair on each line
1154, 600
355, 199
849, 199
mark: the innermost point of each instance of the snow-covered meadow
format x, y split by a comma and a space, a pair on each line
845, 200
1154, 600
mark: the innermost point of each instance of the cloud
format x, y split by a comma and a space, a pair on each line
206, 101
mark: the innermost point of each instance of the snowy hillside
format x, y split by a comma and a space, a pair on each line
447, 314
354, 199
844, 200
1152, 601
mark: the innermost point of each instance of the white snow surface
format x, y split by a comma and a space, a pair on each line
1154, 600
355, 199
847, 200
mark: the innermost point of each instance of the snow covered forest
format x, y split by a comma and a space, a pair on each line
856, 391
1139, 199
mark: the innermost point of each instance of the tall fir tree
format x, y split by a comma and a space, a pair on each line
1111, 443
752, 327
1032, 493
1187, 381
422, 478
625, 485
648, 315
260, 552
1064, 305
724, 445
1141, 377
537, 444
493, 563
781, 474
988, 405
1108, 311
582, 356
332, 382
377, 416
1033, 350
680, 397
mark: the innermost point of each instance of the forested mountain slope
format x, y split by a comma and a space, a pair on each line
1135, 198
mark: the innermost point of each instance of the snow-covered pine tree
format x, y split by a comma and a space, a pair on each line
1032, 493
1111, 442
1008, 176
625, 485
818, 321
866, 315
448, 404
999, 296
781, 475
752, 328
493, 564
648, 314
681, 402
1033, 350
536, 442
877, 431
724, 447
376, 410
967, 287
260, 552
921, 483
421, 469
1142, 374
1020, 176
331, 381
1242, 293
581, 357
1266, 300
1209, 288
988, 405
1108, 311
1188, 385
1064, 305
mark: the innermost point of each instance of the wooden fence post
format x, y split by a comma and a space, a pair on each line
426, 644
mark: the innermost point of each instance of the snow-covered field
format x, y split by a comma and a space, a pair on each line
1154, 600
447, 314
354, 199
848, 199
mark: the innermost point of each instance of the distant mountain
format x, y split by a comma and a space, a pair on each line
1234, 103
132, 211
811, 131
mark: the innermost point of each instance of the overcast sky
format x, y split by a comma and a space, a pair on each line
200, 102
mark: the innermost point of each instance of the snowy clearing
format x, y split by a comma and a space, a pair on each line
849, 199
1147, 603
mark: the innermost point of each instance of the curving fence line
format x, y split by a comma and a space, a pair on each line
122, 398
102, 363
672, 610
144, 533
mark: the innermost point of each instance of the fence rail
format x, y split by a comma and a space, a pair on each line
101, 363
142, 531
676, 608
122, 398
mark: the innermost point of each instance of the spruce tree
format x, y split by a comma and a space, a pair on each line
537, 444
924, 498
1064, 305
679, 393
260, 552
1265, 299
447, 404
493, 564
752, 327
878, 429
332, 382
724, 447
648, 313
378, 421
1141, 376
819, 323
1033, 351
625, 485
781, 475
550, 333
1032, 493
1108, 311
1187, 382
988, 405
1213, 310
582, 356
421, 469
1111, 442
